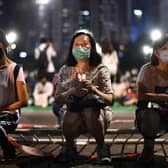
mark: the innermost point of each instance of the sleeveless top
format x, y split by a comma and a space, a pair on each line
7, 85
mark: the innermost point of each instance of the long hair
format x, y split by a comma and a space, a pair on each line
94, 58
157, 45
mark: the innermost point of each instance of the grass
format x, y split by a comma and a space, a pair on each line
116, 108
119, 108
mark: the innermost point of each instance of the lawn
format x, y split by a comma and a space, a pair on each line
116, 108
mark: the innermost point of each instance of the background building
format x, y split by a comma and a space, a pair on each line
57, 19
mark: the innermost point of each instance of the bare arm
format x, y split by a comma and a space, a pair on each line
22, 98
62, 94
106, 96
143, 94
61, 97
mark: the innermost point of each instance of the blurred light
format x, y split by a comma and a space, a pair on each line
23, 54
138, 12
65, 12
147, 50
155, 34
42, 2
98, 48
85, 12
11, 37
13, 46
1, 3
121, 47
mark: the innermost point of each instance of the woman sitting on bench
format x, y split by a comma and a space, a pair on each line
152, 112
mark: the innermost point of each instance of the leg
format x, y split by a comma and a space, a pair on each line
94, 120
56, 111
7, 148
149, 126
72, 127
94, 124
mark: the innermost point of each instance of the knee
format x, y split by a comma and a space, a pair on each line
93, 120
71, 121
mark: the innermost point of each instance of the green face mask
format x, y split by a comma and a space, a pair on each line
81, 53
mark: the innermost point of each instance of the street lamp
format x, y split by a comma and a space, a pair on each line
138, 13
11, 37
155, 35
42, 2
147, 49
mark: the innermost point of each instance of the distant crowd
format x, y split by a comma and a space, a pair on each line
41, 90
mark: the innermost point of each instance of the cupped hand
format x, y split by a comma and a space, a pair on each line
89, 85
79, 91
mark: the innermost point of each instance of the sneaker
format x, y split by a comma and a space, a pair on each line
103, 154
68, 152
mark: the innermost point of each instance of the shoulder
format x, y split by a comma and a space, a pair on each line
12, 68
49, 84
102, 67
101, 70
145, 72
65, 68
146, 68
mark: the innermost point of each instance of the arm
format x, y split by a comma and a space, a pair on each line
22, 98
61, 96
63, 91
145, 95
50, 89
36, 53
104, 90
105, 96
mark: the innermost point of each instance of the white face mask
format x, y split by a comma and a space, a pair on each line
164, 56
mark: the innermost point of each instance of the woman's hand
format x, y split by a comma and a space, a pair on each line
79, 91
88, 84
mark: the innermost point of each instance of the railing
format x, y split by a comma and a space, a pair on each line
40, 135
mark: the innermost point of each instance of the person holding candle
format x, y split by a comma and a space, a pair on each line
84, 77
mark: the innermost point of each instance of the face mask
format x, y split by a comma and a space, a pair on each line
164, 56
1, 52
81, 53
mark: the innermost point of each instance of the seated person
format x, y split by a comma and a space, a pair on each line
56, 108
152, 92
30, 82
13, 96
123, 92
43, 92
84, 77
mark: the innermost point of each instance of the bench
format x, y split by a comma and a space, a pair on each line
51, 135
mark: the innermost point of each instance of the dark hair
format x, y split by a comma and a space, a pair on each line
95, 58
154, 60
3, 39
43, 39
107, 47
158, 44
